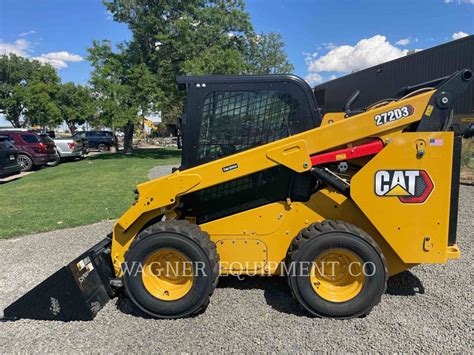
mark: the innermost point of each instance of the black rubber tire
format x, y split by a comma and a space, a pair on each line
102, 147
317, 238
187, 238
26, 162
55, 162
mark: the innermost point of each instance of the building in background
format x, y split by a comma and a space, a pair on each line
384, 80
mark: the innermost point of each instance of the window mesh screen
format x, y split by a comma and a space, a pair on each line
233, 121
239, 195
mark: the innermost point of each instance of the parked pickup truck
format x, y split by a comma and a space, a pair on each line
67, 148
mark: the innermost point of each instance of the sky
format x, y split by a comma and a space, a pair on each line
324, 39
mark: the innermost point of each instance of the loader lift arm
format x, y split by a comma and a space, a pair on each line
293, 152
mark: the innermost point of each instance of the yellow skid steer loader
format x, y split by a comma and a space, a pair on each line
335, 204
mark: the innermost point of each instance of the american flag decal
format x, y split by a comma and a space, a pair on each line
436, 142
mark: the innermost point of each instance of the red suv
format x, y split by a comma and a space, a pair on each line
33, 150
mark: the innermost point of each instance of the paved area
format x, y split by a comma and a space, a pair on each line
160, 170
428, 309
15, 177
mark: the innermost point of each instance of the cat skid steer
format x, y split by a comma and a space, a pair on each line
335, 204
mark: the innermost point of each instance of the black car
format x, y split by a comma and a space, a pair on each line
8, 158
101, 140
469, 131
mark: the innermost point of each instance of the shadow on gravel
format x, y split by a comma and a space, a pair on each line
404, 284
276, 291
278, 295
126, 306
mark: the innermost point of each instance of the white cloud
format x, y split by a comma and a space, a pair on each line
329, 45
314, 79
63, 55
366, 53
57, 64
403, 42
22, 47
24, 34
458, 35
58, 59
459, 2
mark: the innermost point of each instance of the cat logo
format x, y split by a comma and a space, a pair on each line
410, 186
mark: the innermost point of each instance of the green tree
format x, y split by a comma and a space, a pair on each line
42, 109
266, 55
27, 91
177, 37
125, 91
216, 60
76, 105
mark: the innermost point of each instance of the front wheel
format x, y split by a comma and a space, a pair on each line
103, 147
26, 163
171, 270
336, 270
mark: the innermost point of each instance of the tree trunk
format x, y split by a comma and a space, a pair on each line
72, 128
116, 142
15, 122
128, 138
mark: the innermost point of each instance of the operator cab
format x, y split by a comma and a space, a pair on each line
227, 114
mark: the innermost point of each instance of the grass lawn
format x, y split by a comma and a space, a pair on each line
76, 193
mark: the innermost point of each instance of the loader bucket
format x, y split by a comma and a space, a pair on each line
77, 291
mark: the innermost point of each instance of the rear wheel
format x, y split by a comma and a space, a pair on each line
103, 147
171, 270
56, 161
336, 270
25, 162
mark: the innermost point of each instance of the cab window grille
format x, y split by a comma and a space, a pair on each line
238, 195
233, 121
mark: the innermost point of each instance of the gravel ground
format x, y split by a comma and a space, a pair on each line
428, 309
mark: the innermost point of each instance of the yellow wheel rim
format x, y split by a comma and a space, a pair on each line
167, 274
337, 275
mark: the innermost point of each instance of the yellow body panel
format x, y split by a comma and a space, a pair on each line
333, 117
276, 224
294, 155
256, 241
406, 225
